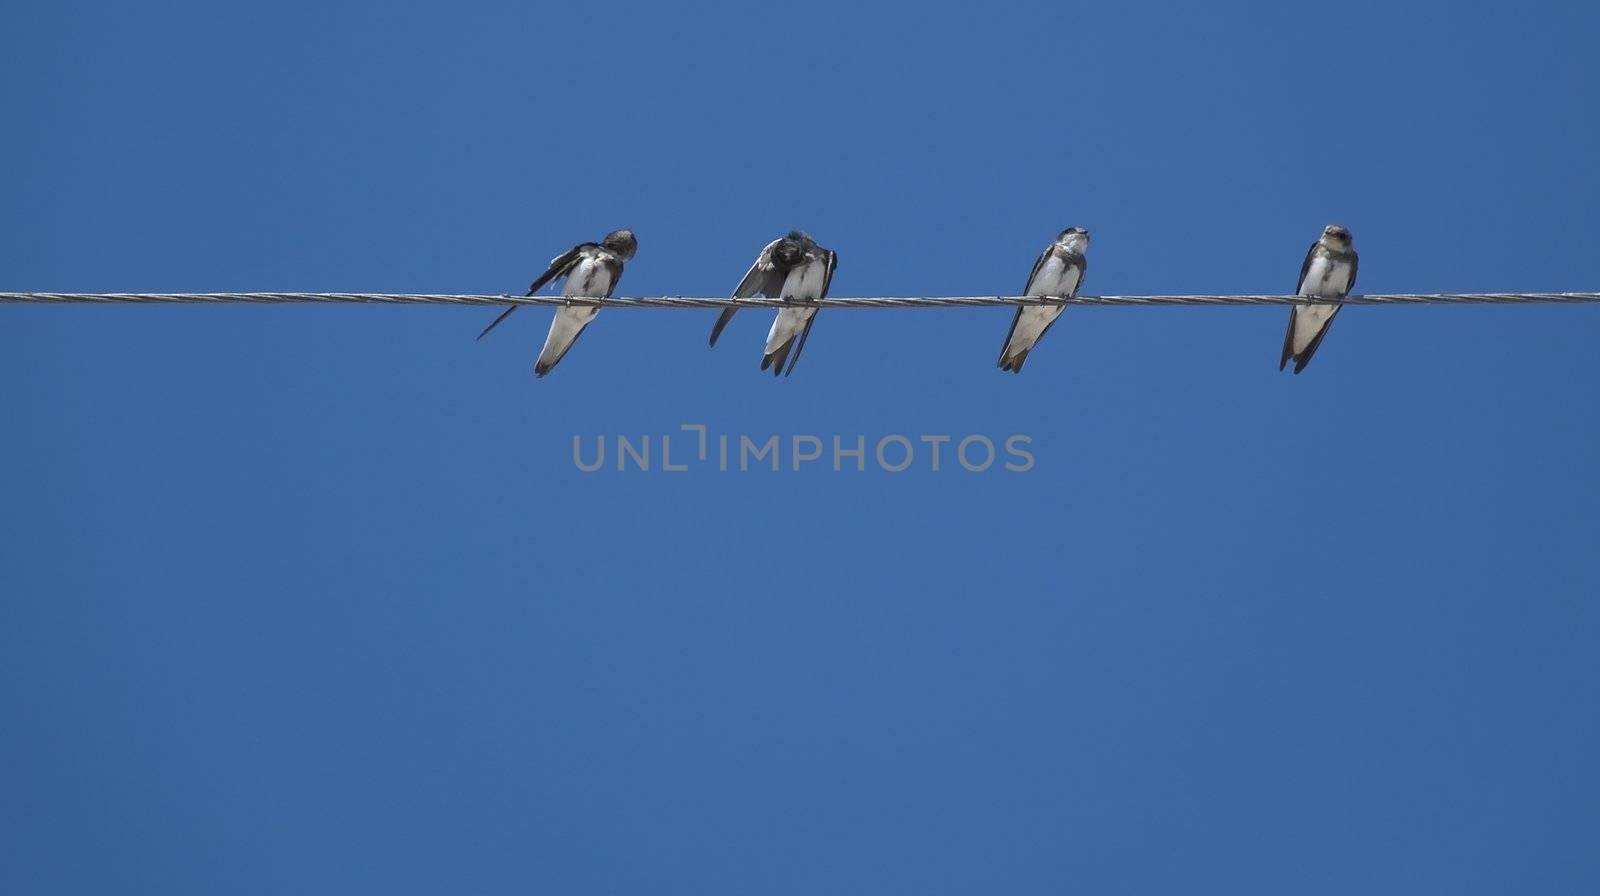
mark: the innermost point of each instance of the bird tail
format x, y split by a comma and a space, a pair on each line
776, 357
1014, 362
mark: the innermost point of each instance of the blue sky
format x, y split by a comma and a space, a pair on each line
312, 599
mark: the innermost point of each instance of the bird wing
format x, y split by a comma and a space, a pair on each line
1294, 311
1305, 268
800, 344
559, 266
1006, 346
763, 278
1288, 338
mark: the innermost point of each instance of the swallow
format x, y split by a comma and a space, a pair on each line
790, 267
592, 271
1058, 273
1329, 272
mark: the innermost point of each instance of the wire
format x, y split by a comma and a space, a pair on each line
221, 298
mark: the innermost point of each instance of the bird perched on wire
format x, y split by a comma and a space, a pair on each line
1058, 273
592, 270
790, 267
1329, 272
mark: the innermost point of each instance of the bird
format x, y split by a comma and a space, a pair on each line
1058, 273
592, 270
790, 267
1329, 272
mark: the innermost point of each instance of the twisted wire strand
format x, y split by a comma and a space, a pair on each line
219, 298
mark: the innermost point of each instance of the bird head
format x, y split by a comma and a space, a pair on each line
621, 242
1336, 237
792, 248
1074, 239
